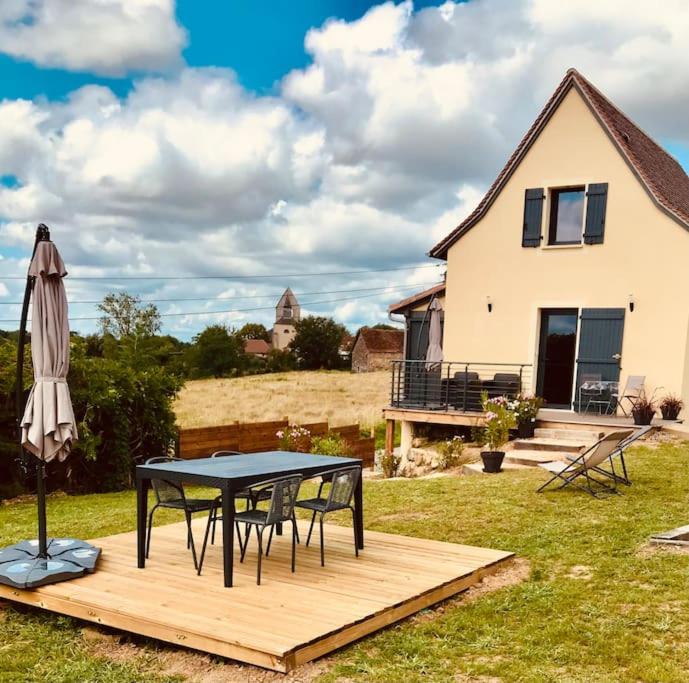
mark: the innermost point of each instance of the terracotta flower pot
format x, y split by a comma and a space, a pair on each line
492, 460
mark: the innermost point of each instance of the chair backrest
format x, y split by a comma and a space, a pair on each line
165, 491
634, 385
282, 499
223, 454
590, 377
464, 377
604, 448
342, 487
635, 436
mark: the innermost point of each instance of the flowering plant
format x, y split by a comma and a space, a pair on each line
294, 438
499, 420
450, 452
525, 407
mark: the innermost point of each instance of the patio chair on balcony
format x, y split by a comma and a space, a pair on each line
283, 496
171, 495
589, 389
582, 467
466, 391
632, 392
342, 486
503, 384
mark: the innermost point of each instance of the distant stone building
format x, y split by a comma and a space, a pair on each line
287, 314
376, 349
257, 347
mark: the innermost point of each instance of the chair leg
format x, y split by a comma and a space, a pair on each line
296, 528
150, 526
211, 522
246, 542
239, 536
260, 555
270, 538
294, 544
320, 521
356, 535
313, 519
215, 519
191, 539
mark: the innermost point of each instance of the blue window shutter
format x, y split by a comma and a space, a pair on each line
533, 217
595, 213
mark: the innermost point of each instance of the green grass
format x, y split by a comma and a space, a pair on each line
624, 619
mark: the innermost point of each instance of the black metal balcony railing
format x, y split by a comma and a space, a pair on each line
454, 385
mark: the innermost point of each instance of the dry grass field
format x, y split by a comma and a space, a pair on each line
340, 397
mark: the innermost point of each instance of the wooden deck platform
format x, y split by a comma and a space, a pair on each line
290, 618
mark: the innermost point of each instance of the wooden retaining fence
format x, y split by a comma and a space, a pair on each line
252, 437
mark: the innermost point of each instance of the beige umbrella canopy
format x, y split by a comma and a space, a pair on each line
434, 354
48, 425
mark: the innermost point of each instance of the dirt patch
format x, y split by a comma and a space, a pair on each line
648, 549
580, 572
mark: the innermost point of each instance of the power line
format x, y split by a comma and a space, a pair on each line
235, 277
239, 298
235, 310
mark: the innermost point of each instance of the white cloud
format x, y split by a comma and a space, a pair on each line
109, 37
364, 159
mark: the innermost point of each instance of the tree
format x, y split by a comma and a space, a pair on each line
124, 315
317, 342
254, 331
217, 352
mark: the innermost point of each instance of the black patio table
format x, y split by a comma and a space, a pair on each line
231, 475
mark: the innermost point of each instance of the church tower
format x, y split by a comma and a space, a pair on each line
287, 314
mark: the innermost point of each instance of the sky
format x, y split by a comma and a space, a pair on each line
207, 155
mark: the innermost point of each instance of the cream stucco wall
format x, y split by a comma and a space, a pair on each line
282, 336
645, 253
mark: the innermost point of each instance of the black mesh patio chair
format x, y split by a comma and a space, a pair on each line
579, 471
503, 384
283, 496
342, 486
171, 495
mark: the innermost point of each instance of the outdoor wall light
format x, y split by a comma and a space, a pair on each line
489, 301
631, 303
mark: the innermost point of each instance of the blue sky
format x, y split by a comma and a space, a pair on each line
321, 145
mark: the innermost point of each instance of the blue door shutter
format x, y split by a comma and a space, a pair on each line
595, 213
533, 217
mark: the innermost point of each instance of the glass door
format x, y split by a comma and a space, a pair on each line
557, 356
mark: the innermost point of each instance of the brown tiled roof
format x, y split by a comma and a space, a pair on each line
659, 172
417, 298
382, 341
256, 346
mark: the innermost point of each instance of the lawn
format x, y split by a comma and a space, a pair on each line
597, 604
309, 396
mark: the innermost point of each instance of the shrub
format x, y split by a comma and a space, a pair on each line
294, 438
499, 420
332, 444
390, 463
525, 408
450, 453
670, 407
644, 409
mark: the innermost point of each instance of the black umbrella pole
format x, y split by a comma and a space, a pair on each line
40, 501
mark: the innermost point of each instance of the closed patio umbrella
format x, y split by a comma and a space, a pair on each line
48, 426
434, 353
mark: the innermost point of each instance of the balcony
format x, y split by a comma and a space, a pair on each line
453, 386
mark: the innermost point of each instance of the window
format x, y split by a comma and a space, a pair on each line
287, 312
566, 215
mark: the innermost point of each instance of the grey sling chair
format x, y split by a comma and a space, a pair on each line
170, 495
283, 495
584, 466
342, 486
619, 452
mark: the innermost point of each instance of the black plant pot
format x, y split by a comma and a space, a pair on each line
492, 460
643, 417
669, 413
526, 430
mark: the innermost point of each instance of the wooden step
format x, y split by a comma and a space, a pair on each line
477, 467
585, 435
531, 458
558, 445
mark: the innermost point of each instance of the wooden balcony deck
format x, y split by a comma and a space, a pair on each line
290, 618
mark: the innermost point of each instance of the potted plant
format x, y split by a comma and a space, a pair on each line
525, 409
644, 409
670, 407
496, 431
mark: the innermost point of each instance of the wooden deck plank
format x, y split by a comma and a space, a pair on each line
289, 619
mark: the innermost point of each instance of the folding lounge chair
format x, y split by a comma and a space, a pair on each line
611, 474
584, 466
632, 392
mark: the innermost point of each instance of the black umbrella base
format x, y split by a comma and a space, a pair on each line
68, 558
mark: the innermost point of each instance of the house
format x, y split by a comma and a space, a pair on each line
257, 347
287, 314
573, 265
375, 349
